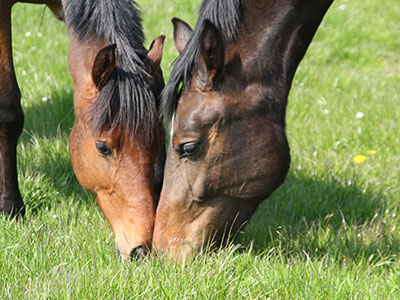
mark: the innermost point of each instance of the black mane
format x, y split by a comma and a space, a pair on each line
128, 99
226, 16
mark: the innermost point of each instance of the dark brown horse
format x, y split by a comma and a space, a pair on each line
117, 132
227, 96
11, 115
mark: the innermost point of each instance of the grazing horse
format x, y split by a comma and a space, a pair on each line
116, 143
227, 96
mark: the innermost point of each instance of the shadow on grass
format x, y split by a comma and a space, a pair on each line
46, 176
315, 217
49, 115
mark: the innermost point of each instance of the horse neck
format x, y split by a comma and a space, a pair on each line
80, 61
271, 41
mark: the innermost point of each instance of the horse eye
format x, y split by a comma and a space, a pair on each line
103, 148
188, 149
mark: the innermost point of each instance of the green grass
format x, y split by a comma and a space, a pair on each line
331, 231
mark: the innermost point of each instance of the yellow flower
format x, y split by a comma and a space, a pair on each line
358, 159
372, 152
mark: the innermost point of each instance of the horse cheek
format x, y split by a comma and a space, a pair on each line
79, 164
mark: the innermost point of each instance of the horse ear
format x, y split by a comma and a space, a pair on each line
211, 58
182, 33
103, 66
155, 53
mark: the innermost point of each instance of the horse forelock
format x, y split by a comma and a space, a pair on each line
226, 16
128, 100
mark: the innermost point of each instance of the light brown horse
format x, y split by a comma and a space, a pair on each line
117, 132
228, 149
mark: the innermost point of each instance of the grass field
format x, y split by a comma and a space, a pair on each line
331, 231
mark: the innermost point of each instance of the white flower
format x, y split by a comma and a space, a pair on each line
359, 115
28, 34
45, 99
325, 111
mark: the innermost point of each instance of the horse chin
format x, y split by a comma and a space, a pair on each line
214, 224
132, 226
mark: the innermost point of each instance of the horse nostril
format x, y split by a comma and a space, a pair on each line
138, 252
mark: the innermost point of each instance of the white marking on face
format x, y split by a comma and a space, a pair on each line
172, 125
